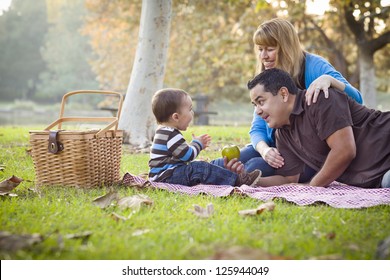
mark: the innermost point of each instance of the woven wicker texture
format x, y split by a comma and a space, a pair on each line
86, 161
336, 195
89, 158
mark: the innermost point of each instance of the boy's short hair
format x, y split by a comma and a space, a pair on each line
272, 80
166, 102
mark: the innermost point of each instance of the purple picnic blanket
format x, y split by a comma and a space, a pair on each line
336, 194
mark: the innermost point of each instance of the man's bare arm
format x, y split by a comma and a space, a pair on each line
342, 152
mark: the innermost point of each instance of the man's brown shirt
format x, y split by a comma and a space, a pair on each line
304, 140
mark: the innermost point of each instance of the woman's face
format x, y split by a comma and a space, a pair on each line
268, 56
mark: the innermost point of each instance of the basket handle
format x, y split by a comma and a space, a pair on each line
113, 120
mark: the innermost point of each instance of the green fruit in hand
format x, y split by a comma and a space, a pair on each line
231, 152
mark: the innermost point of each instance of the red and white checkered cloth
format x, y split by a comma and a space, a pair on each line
336, 195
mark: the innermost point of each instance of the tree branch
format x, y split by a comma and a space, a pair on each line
331, 45
357, 27
378, 43
385, 12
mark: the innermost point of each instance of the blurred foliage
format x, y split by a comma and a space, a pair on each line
91, 44
211, 49
67, 54
22, 31
113, 27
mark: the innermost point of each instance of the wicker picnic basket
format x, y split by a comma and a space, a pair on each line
85, 159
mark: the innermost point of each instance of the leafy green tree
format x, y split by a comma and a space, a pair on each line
112, 26
67, 54
22, 30
210, 48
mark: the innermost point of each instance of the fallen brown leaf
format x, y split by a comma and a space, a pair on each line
134, 202
13, 242
84, 236
106, 200
117, 217
137, 186
383, 249
203, 212
330, 235
269, 206
9, 184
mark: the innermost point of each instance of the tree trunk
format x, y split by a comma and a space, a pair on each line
367, 78
368, 42
148, 71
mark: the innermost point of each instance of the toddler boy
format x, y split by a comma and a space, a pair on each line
172, 158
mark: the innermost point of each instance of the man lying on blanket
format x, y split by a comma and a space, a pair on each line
340, 139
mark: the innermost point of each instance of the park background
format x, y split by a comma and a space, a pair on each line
50, 47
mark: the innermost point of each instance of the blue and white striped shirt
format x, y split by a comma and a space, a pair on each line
169, 150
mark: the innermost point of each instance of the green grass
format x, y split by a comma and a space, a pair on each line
290, 231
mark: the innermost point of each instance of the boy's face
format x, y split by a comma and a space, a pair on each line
185, 114
272, 108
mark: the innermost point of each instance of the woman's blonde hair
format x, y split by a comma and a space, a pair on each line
281, 34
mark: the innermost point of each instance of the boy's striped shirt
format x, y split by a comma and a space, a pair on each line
169, 150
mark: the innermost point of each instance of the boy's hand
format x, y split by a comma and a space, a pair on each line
233, 165
205, 139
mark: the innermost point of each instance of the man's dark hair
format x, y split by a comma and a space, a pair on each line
272, 80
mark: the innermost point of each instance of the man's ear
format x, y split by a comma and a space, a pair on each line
284, 93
